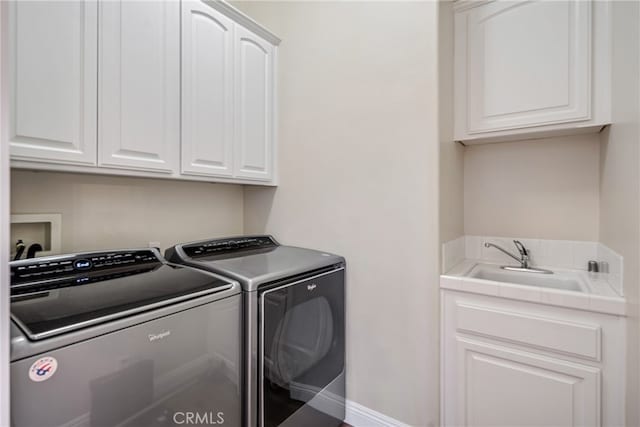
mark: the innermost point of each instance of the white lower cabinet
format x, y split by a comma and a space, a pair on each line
505, 387
511, 363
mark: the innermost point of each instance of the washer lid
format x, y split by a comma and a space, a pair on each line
251, 260
55, 295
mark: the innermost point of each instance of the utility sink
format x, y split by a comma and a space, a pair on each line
565, 280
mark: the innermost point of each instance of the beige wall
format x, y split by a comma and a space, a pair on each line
101, 212
547, 188
620, 179
451, 153
359, 177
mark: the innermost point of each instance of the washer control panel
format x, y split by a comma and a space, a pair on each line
77, 268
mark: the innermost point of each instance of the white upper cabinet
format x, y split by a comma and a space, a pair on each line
139, 85
530, 67
227, 96
528, 64
52, 105
162, 88
207, 91
254, 106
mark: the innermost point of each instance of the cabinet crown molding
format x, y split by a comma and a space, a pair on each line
462, 5
244, 20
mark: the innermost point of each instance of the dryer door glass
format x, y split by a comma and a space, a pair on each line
302, 350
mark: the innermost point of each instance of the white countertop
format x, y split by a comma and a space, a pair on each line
601, 297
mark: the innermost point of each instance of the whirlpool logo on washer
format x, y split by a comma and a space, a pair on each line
161, 335
311, 287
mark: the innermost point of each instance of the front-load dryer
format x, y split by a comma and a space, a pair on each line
123, 338
294, 324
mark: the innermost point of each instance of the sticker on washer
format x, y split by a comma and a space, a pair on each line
43, 369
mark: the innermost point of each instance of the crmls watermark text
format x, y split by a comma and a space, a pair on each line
198, 418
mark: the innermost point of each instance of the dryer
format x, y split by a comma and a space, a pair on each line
123, 338
294, 326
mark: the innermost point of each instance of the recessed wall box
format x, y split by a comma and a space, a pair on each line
45, 229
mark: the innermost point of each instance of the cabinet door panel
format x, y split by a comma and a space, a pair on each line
53, 56
207, 91
254, 106
504, 387
528, 64
139, 85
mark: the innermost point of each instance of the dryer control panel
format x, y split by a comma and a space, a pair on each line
221, 246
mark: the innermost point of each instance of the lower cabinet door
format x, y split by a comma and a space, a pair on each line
499, 386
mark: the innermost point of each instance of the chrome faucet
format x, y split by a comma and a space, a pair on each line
523, 259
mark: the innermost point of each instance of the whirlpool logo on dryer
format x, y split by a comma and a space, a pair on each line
311, 287
161, 335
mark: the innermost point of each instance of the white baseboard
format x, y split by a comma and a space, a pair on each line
358, 415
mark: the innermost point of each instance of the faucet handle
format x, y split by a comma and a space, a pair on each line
523, 251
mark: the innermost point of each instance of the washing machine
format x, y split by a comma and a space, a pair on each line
123, 338
294, 326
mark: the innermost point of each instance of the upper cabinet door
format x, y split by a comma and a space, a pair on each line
139, 85
53, 79
531, 68
207, 91
254, 106
529, 64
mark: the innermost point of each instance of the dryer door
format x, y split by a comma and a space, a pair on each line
302, 350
